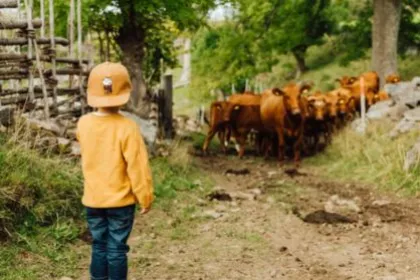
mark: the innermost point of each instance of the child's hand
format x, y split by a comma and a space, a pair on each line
144, 211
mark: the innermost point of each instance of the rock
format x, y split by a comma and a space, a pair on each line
212, 214
388, 278
243, 196
335, 204
412, 157
148, 130
75, 149
7, 118
63, 143
66, 278
358, 126
380, 110
380, 202
407, 93
402, 127
49, 126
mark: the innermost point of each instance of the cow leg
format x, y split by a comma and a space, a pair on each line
281, 145
221, 135
241, 138
297, 150
210, 136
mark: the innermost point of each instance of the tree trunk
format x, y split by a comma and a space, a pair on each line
101, 46
108, 45
386, 25
299, 54
132, 48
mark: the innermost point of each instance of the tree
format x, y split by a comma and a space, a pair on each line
385, 30
288, 26
143, 33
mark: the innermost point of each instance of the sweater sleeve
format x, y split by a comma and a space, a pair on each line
138, 168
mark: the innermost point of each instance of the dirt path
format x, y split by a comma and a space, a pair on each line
260, 234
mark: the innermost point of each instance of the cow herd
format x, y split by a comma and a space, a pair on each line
291, 117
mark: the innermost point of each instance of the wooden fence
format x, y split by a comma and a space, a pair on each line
30, 80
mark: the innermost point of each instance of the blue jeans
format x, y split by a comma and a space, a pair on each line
110, 229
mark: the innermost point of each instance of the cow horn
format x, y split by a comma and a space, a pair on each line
277, 91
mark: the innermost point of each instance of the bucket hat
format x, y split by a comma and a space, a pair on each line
109, 85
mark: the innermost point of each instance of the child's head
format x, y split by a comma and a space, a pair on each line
109, 86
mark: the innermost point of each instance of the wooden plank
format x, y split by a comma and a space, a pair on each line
8, 4
40, 41
37, 89
22, 97
19, 71
66, 71
18, 24
71, 60
167, 109
52, 42
4, 57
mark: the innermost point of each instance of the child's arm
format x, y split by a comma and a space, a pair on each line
138, 168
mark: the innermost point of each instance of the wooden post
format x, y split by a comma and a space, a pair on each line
167, 110
79, 52
70, 28
363, 104
53, 64
233, 89
42, 11
30, 56
246, 85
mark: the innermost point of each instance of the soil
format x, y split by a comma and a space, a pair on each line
264, 222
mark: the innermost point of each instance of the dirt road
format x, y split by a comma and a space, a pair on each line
257, 230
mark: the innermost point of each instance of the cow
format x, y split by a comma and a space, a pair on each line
353, 84
393, 79
283, 112
318, 122
217, 125
242, 114
345, 105
390, 79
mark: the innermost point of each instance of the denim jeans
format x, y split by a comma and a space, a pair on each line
110, 229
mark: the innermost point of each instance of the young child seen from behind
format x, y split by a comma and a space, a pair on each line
116, 170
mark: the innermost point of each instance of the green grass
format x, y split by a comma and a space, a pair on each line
40, 208
373, 158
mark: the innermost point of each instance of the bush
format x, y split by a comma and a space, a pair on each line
36, 190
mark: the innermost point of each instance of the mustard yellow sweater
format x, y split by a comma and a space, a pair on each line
114, 161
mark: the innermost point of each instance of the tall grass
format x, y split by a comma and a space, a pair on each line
373, 158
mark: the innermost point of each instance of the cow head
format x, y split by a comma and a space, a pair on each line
346, 81
332, 106
292, 94
392, 79
230, 109
217, 110
370, 98
317, 105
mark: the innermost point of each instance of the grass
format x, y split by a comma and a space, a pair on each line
373, 158
42, 217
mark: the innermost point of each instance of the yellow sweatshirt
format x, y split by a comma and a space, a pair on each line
114, 161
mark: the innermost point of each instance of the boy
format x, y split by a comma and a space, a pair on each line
115, 168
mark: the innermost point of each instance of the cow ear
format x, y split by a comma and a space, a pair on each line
352, 80
305, 88
278, 92
236, 108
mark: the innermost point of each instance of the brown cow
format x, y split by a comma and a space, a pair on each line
283, 112
318, 122
371, 87
242, 113
216, 125
393, 79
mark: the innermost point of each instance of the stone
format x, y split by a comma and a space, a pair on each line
335, 204
148, 130
75, 149
7, 118
380, 110
412, 157
66, 278
212, 214
403, 127
407, 93
49, 126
